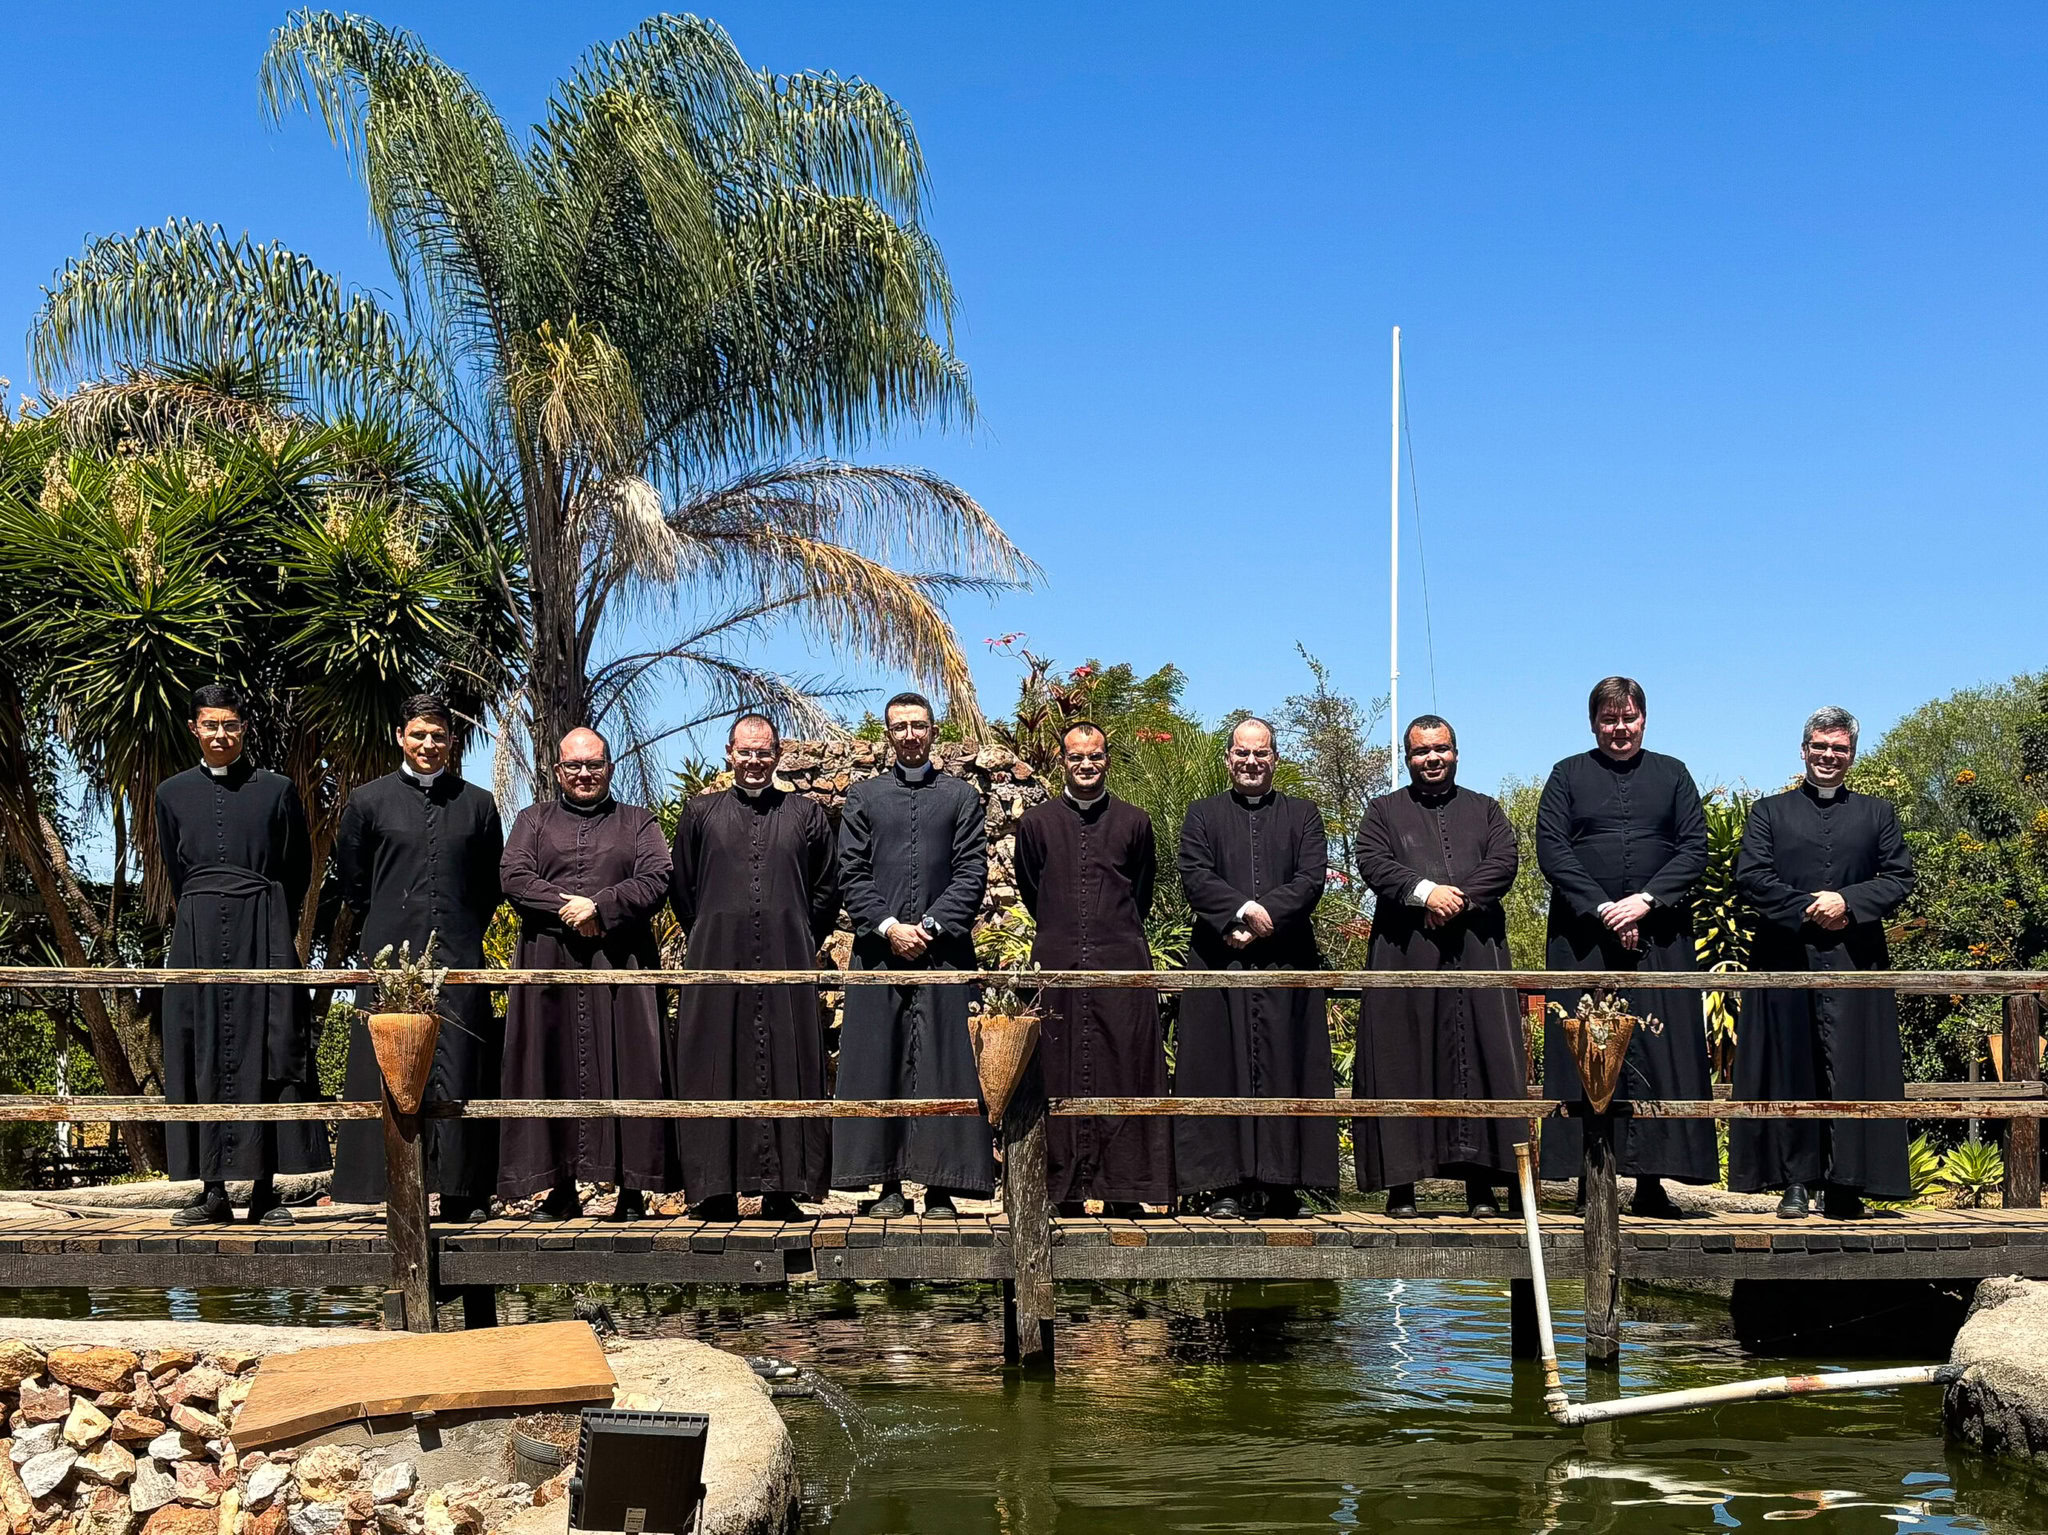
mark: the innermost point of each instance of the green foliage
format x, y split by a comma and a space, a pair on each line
1973, 1169
407, 982
1724, 927
1527, 903
1956, 762
1923, 1174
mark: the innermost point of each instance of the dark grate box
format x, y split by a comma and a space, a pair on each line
640, 1472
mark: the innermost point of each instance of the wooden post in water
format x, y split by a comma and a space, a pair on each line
405, 1220
1027, 1298
1523, 1339
1602, 1238
2023, 1136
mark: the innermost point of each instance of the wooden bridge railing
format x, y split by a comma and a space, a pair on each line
1030, 1293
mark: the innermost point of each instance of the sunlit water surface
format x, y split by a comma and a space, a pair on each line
1367, 1405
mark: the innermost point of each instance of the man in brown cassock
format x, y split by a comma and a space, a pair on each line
1085, 866
755, 888
1438, 859
587, 875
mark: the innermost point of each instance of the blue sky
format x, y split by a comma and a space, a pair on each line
1724, 322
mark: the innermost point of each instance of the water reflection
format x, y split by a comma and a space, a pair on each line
1368, 1406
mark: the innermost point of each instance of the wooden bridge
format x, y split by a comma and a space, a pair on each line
1023, 1246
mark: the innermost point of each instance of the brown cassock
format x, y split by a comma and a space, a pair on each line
1086, 875
593, 1041
1438, 1044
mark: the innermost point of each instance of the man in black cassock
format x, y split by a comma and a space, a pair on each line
586, 875
234, 845
1621, 837
913, 862
417, 857
754, 888
1438, 859
1823, 866
1085, 867
1253, 862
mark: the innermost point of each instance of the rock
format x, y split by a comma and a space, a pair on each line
15, 1503
35, 1441
171, 1445
234, 1394
18, 1362
264, 1483
201, 1383
230, 1512
327, 1472
556, 1487
106, 1512
147, 1400
317, 1518
236, 1360
44, 1404
46, 1472
394, 1483
440, 1517
198, 1484
114, 1401
111, 1464
152, 1488
52, 1514
86, 1425
131, 1427
270, 1522
172, 1519
158, 1360
197, 1421
2000, 1405
93, 1368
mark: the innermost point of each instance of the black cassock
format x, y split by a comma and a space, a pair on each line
754, 888
239, 860
1438, 1044
1821, 1044
1254, 1044
911, 846
1606, 830
415, 861
584, 1041
1086, 875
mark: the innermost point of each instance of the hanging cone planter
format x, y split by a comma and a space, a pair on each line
404, 1043
1003, 1043
1597, 1036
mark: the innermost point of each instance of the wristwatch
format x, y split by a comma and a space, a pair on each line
929, 927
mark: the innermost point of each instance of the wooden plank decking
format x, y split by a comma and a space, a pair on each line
142, 1250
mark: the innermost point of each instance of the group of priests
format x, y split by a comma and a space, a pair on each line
757, 878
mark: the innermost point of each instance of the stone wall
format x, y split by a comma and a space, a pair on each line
2000, 1406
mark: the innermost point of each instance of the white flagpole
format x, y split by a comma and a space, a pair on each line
1394, 578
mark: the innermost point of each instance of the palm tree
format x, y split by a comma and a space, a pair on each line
642, 326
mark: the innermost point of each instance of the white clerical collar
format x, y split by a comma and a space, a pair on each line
222, 772
751, 794
1829, 792
422, 779
1085, 804
916, 774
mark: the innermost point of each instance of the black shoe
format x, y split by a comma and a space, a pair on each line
716, 1207
781, 1207
1071, 1209
1281, 1205
464, 1209
1842, 1204
1124, 1210
938, 1204
892, 1206
1225, 1207
1401, 1202
211, 1209
1651, 1203
631, 1206
562, 1204
1479, 1202
1794, 1206
266, 1209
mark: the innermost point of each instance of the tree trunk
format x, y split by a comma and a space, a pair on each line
557, 691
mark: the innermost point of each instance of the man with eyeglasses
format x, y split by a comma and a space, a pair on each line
1823, 866
586, 875
1438, 858
754, 888
1253, 862
1085, 868
913, 862
235, 848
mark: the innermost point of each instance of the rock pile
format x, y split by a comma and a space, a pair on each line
108, 1441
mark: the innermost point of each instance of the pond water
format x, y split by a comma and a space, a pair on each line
1370, 1405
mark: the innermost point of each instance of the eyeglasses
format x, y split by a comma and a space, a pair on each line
1829, 749
219, 727
1081, 758
1239, 754
751, 756
583, 767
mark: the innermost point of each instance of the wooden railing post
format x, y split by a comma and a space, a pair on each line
1602, 1239
2023, 1136
1028, 1295
405, 1220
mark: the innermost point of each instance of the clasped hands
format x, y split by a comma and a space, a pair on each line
1624, 919
1252, 922
1828, 910
907, 940
580, 913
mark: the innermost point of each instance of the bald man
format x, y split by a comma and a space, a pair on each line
586, 874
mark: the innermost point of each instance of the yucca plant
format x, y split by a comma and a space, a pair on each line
1723, 926
1973, 1170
